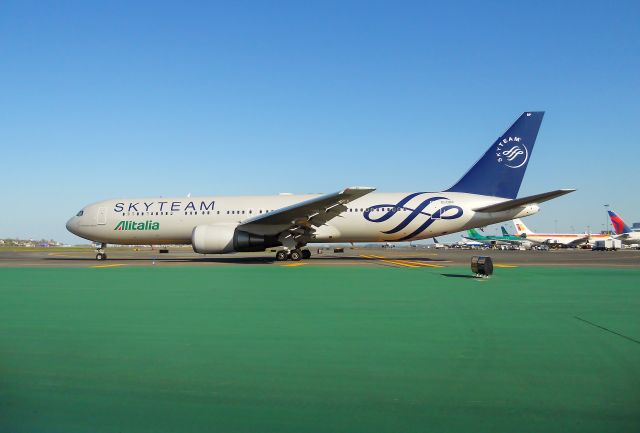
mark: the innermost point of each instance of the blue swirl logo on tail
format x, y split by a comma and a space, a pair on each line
389, 210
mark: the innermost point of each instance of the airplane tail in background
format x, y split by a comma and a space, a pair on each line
500, 170
504, 231
521, 228
618, 225
473, 233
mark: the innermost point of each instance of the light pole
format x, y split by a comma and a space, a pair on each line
606, 213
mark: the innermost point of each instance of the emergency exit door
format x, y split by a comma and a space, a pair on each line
102, 216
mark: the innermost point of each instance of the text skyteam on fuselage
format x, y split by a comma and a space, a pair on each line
163, 206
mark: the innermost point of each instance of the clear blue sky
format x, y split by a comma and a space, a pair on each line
125, 99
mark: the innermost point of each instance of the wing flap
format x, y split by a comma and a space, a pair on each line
309, 213
524, 201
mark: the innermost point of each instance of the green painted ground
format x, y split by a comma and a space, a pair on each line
273, 349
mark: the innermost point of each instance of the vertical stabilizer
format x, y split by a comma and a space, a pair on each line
618, 224
500, 170
521, 228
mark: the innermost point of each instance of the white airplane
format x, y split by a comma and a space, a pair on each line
557, 239
486, 194
622, 230
465, 242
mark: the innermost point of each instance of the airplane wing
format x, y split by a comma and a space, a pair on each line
519, 202
514, 241
554, 241
305, 215
578, 241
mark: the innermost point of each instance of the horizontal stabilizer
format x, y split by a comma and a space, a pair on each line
524, 201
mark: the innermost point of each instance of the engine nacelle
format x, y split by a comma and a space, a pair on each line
222, 238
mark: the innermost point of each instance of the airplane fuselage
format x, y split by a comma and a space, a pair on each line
376, 217
564, 239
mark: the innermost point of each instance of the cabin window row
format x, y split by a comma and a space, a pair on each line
379, 209
145, 213
243, 212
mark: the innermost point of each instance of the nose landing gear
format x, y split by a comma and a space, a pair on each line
101, 255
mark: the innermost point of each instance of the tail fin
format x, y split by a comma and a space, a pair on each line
521, 228
618, 225
500, 170
473, 233
504, 231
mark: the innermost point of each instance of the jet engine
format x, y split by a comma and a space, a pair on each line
222, 238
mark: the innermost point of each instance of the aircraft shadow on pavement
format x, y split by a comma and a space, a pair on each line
221, 260
239, 260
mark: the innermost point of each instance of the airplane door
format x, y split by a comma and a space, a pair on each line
102, 216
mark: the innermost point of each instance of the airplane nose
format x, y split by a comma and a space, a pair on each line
70, 225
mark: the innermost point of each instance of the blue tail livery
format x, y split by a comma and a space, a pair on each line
500, 170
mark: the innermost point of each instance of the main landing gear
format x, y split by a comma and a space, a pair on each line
101, 255
294, 255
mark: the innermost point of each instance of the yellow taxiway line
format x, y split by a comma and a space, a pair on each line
405, 263
114, 265
504, 266
290, 265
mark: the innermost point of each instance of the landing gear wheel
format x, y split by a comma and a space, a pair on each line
295, 255
306, 254
101, 256
281, 256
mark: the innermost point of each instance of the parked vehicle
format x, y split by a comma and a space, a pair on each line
607, 245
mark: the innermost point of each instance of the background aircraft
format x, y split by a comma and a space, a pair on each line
505, 239
623, 231
555, 239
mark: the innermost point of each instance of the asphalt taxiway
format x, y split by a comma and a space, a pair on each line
358, 256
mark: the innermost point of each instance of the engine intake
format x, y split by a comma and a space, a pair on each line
221, 239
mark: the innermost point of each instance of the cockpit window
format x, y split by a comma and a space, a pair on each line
80, 213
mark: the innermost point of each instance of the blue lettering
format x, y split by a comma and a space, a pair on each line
147, 206
190, 206
175, 206
132, 207
162, 203
203, 205
119, 207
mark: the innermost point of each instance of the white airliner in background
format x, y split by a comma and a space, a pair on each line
556, 239
485, 195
